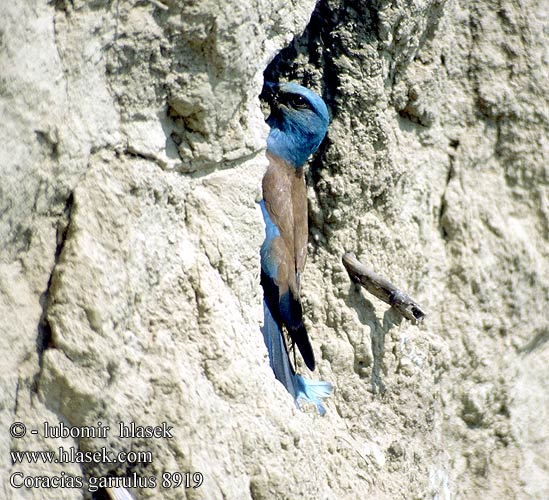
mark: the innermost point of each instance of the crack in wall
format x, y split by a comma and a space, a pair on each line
44, 337
442, 225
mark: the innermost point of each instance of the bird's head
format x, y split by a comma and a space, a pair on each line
298, 120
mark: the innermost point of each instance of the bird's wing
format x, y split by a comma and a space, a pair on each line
285, 196
301, 229
278, 281
278, 258
277, 194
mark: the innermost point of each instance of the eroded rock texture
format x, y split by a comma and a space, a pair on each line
131, 162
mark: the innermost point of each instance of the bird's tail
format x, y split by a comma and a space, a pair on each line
300, 388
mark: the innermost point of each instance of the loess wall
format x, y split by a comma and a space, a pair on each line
130, 170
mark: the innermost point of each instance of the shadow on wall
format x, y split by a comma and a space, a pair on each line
378, 330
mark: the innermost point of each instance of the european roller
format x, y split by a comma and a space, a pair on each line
298, 120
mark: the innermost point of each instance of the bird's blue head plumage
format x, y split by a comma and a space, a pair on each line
298, 120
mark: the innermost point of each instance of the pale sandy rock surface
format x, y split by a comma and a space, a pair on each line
130, 167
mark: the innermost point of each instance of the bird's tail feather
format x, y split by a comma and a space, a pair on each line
313, 390
296, 385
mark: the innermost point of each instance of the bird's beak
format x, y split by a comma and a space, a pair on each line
269, 92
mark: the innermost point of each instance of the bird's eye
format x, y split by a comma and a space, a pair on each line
298, 101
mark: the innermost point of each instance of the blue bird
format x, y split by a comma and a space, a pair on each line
299, 121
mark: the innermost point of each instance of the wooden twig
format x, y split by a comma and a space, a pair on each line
382, 289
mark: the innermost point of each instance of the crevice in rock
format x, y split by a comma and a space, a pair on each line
444, 232
313, 56
130, 151
314, 60
16, 404
44, 337
221, 166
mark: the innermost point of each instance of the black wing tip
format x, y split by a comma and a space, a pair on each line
301, 339
310, 362
286, 310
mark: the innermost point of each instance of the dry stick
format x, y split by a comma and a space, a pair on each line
382, 289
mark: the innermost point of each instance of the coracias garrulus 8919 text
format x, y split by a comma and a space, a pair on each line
299, 121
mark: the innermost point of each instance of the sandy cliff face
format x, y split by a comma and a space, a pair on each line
131, 163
